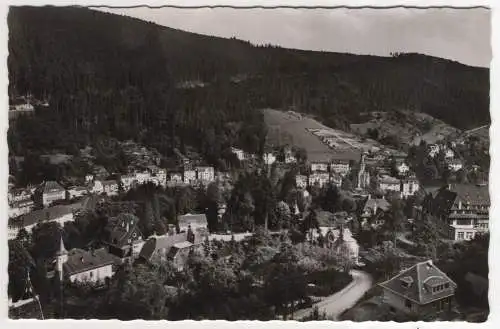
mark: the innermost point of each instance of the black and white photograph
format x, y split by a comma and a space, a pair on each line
291, 164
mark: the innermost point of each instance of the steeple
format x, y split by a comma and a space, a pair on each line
62, 257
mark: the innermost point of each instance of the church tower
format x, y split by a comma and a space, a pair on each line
62, 257
361, 172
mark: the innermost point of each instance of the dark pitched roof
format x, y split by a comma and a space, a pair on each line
50, 187
472, 194
420, 278
122, 228
81, 260
370, 204
43, 215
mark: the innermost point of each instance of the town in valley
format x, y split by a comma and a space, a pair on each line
224, 189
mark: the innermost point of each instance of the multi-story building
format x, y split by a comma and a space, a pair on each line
19, 208
319, 167
206, 174
240, 154
388, 183
463, 209
409, 186
110, 187
49, 192
341, 167
189, 176
301, 181
319, 178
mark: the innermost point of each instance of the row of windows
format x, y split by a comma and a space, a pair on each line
465, 235
441, 287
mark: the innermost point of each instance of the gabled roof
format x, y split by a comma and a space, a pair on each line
81, 260
122, 228
43, 215
371, 204
157, 243
419, 280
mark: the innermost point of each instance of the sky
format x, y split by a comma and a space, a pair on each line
462, 35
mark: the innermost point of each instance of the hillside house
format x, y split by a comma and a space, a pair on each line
463, 209
269, 158
189, 176
319, 167
205, 174
124, 237
341, 167
19, 194
432, 150
49, 192
455, 165
74, 192
388, 183
422, 289
402, 168
341, 241
195, 221
240, 154
157, 248
319, 178
175, 177
110, 187
128, 181
409, 186
179, 254
19, 208
301, 181
372, 212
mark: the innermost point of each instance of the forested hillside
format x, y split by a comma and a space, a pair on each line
108, 74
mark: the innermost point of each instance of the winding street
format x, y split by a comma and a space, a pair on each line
334, 305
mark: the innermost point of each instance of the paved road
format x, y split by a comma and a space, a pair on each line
339, 302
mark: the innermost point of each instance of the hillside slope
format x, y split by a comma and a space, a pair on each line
123, 76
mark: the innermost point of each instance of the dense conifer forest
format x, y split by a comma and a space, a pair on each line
112, 75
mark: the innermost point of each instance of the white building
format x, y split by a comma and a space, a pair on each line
388, 183
319, 166
240, 154
189, 176
301, 181
402, 168
110, 187
206, 174
319, 178
77, 265
455, 165
269, 158
341, 167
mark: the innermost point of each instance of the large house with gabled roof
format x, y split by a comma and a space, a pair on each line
463, 209
421, 289
124, 237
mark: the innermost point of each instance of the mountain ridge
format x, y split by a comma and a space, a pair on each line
123, 73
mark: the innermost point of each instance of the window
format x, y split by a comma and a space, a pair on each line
91, 274
460, 235
469, 235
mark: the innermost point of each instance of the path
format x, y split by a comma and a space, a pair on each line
341, 301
